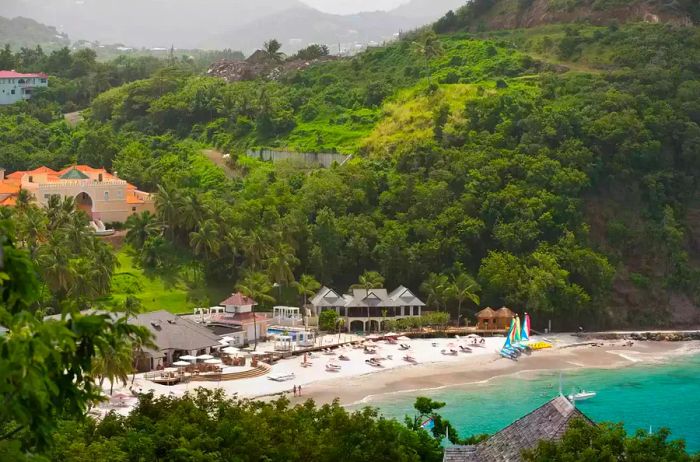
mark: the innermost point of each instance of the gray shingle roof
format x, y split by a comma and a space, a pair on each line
172, 332
401, 296
548, 422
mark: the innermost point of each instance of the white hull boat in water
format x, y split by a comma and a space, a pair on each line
581, 396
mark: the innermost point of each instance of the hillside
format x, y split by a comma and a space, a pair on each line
511, 14
556, 165
22, 32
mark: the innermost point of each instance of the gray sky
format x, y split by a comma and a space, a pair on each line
353, 6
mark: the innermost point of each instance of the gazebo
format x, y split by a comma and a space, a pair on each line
503, 317
486, 319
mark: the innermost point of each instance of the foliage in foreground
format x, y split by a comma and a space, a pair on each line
583, 442
205, 426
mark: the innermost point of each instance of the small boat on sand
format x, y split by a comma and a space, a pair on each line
343, 358
404, 346
450, 352
410, 359
373, 363
465, 349
282, 377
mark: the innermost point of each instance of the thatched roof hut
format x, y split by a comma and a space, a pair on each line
548, 422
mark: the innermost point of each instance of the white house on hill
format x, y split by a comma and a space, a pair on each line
15, 86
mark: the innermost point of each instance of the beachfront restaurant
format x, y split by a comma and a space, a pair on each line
174, 337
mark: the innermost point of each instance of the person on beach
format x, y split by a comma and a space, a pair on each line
299, 390
294, 390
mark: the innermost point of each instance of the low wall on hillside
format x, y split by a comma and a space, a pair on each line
313, 158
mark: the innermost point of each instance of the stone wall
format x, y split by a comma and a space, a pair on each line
313, 158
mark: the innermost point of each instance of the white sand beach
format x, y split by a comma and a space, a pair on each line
357, 381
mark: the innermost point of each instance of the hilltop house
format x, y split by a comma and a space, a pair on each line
16, 87
548, 422
101, 195
366, 309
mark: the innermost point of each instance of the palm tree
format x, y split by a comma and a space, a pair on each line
55, 265
369, 280
435, 288
340, 322
205, 241
192, 212
280, 264
255, 248
307, 285
113, 362
235, 239
257, 286
463, 287
272, 48
168, 204
428, 48
140, 227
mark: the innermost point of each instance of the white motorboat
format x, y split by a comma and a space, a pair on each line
282, 377
581, 395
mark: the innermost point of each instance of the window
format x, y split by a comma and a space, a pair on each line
43, 80
133, 209
106, 195
12, 91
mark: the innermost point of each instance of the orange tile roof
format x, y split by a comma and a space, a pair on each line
8, 201
132, 199
8, 187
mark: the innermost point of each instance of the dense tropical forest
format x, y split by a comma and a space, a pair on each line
552, 169
537, 163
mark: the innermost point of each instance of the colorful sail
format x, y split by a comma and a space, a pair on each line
509, 336
428, 424
526, 328
517, 335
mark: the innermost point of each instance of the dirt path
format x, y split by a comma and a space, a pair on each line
218, 158
73, 118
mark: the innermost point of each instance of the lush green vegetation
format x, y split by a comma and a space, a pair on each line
609, 442
474, 156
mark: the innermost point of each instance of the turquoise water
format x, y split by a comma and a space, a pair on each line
640, 396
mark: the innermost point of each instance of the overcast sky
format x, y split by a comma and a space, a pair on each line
353, 6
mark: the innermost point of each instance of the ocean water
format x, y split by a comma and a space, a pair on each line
641, 396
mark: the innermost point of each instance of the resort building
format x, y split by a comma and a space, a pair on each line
236, 312
548, 422
15, 86
490, 319
103, 196
173, 336
366, 309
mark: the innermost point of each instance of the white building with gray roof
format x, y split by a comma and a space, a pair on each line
366, 309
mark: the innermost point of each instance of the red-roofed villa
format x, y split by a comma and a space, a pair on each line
103, 196
15, 86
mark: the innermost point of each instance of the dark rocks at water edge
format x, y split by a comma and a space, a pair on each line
660, 336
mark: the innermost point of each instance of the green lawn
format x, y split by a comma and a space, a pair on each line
175, 293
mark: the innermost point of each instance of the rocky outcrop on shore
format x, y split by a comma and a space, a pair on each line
654, 336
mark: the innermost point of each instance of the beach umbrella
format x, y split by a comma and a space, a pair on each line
205, 357
230, 350
212, 361
403, 338
188, 358
181, 363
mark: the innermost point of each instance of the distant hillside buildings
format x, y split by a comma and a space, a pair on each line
15, 86
101, 195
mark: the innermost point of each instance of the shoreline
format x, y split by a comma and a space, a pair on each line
364, 390
358, 384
